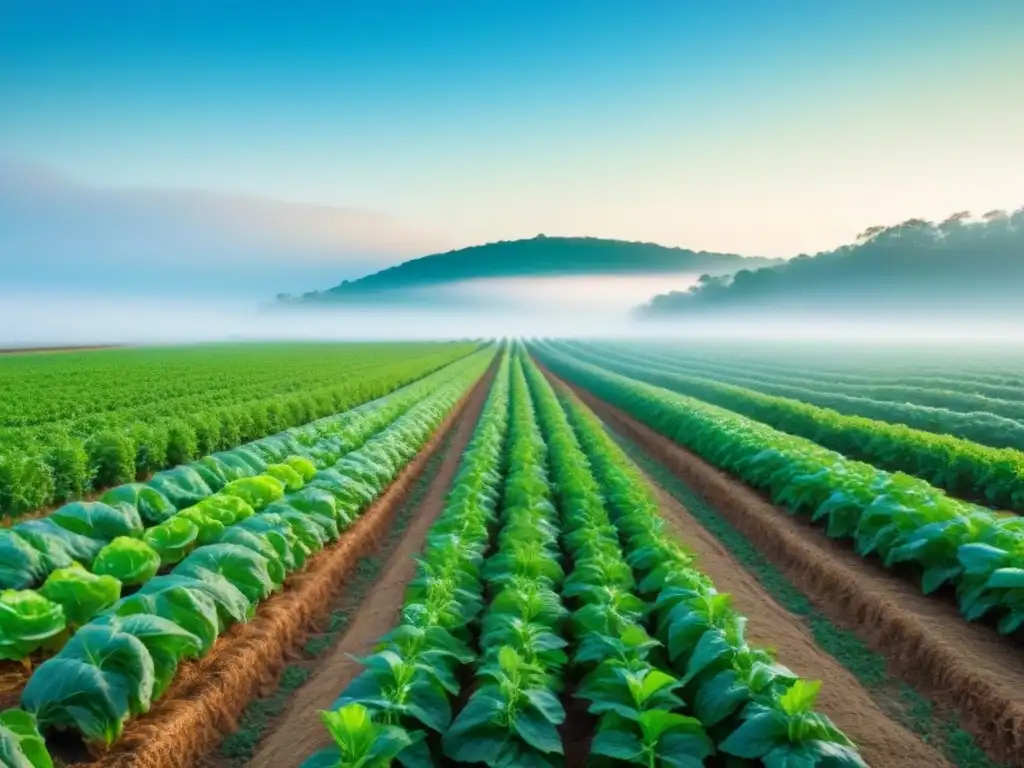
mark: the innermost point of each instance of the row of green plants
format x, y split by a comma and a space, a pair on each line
899, 380
397, 709
896, 517
641, 720
512, 717
217, 493
72, 595
116, 665
956, 396
984, 428
992, 476
741, 702
31, 550
56, 462
86, 555
83, 390
544, 634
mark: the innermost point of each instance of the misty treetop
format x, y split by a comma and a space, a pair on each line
977, 265
535, 257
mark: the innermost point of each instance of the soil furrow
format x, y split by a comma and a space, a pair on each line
299, 732
209, 695
966, 668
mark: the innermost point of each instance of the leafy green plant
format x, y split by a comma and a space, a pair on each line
21, 565
80, 593
99, 521
150, 504
21, 745
26, 482
28, 621
259, 492
303, 466
130, 561
172, 540
111, 457
69, 462
359, 741
182, 442
787, 732
512, 719
292, 480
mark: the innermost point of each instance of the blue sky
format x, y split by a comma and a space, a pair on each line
757, 127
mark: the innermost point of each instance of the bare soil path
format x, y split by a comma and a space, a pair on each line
965, 667
208, 696
299, 732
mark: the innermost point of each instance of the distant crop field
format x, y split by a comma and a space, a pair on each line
71, 421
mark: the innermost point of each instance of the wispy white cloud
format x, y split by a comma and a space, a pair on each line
55, 231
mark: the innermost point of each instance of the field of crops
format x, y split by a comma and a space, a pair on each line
568, 605
77, 421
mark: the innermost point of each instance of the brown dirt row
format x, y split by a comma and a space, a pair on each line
964, 667
299, 732
209, 695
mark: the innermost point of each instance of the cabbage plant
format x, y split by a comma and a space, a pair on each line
81, 593
130, 561
28, 622
21, 744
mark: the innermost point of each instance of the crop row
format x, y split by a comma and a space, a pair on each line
116, 665
544, 633
71, 389
982, 427
935, 393
899, 518
410, 682
960, 374
87, 552
965, 469
65, 460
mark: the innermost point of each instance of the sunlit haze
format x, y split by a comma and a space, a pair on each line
758, 128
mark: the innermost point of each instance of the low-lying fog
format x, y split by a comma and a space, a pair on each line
530, 307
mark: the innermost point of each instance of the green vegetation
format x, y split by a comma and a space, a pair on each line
495, 573
240, 746
73, 422
537, 257
975, 267
896, 517
115, 665
899, 700
964, 469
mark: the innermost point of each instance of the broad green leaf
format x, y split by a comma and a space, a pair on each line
800, 697
130, 561
98, 520
150, 503
80, 593
27, 621
21, 565
534, 728
619, 745
756, 736
100, 678
172, 539
191, 609
245, 569
21, 745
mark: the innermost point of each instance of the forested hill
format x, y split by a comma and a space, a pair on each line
959, 265
540, 256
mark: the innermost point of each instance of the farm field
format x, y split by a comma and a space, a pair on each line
543, 554
82, 420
